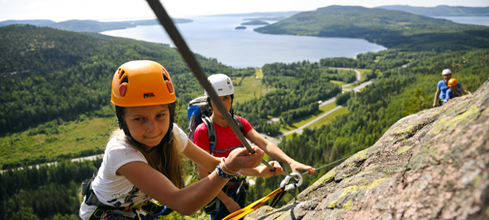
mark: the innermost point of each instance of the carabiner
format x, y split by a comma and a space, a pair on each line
296, 178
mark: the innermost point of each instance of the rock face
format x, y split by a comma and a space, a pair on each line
430, 165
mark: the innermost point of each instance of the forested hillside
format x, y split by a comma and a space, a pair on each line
88, 25
59, 80
441, 10
397, 93
299, 86
389, 28
52, 74
45, 192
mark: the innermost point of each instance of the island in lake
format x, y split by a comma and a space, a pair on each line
240, 28
255, 22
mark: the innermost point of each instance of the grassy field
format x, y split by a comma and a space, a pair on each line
329, 118
250, 88
288, 137
304, 120
352, 86
340, 83
363, 72
67, 140
259, 73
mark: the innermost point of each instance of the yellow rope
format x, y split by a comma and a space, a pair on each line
253, 206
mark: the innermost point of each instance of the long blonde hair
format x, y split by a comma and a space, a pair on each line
168, 151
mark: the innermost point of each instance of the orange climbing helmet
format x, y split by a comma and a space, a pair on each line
142, 83
452, 82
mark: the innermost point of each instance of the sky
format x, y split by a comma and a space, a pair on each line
112, 10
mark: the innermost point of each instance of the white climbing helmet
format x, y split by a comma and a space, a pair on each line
222, 84
446, 71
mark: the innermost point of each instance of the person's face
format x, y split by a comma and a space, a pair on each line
453, 88
447, 77
226, 100
149, 124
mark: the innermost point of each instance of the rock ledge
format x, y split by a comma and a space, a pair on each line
430, 165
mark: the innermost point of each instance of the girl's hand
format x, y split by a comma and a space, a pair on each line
266, 172
295, 166
241, 158
231, 205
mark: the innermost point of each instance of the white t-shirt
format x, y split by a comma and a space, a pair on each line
116, 190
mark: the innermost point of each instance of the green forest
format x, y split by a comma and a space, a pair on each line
58, 86
441, 10
389, 28
89, 25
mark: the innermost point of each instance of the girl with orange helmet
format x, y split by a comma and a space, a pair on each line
142, 159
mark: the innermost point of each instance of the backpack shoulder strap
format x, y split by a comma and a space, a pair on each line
211, 133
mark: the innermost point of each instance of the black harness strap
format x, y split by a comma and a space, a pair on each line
99, 212
151, 208
211, 134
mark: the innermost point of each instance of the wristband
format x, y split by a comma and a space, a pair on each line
226, 168
226, 171
224, 175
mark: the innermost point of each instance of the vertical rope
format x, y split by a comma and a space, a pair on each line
196, 69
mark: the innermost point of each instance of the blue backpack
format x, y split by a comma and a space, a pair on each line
199, 111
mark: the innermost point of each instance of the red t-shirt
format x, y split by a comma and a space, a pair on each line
225, 137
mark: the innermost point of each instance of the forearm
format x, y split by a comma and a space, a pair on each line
436, 97
187, 200
276, 153
201, 157
250, 172
205, 189
223, 197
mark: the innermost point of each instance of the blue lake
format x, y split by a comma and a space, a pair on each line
478, 20
216, 37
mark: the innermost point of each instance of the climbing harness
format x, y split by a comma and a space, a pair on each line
152, 209
196, 69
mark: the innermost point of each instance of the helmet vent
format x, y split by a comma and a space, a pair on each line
121, 73
125, 80
165, 77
